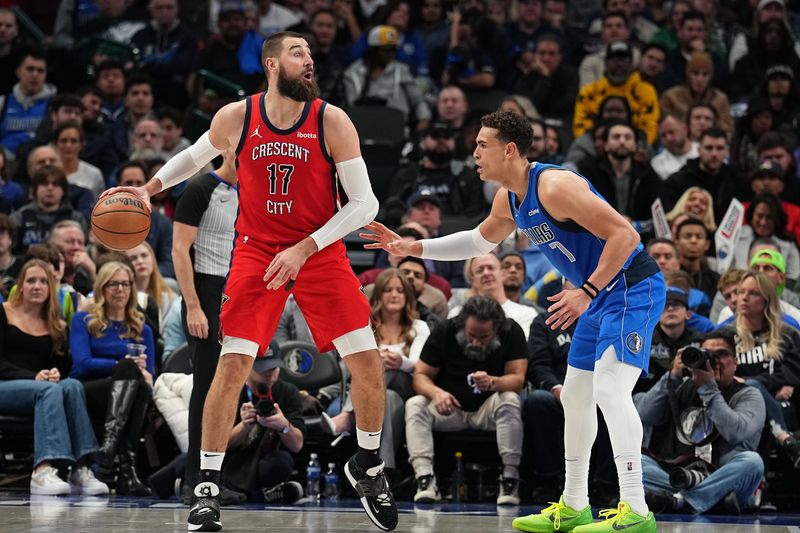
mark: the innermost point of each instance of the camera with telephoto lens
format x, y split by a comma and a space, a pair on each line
697, 357
684, 478
265, 406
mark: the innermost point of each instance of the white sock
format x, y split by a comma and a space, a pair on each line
511, 471
629, 472
580, 430
576, 482
369, 440
211, 460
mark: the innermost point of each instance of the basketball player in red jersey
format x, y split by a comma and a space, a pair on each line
290, 148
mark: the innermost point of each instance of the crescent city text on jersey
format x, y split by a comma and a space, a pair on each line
284, 149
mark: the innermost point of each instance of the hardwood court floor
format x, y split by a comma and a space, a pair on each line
20, 514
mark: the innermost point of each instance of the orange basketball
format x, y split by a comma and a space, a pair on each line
120, 221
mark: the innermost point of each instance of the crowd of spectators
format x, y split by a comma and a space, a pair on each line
690, 102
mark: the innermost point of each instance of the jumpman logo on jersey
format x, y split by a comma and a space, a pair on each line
256, 133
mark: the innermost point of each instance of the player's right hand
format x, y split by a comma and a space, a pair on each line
141, 192
385, 239
197, 322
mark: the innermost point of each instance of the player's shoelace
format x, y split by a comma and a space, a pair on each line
374, 488
555, 510
614, 516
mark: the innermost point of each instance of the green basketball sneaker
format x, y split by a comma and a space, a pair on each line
620, 519
557, 517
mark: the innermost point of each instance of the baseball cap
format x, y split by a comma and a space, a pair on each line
424, 195
769, 257
619, 48
231, 6
676, 294
784, 70
768, 168
269, 360
764, 3
383, 36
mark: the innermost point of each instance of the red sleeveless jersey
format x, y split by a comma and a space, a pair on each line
287, 179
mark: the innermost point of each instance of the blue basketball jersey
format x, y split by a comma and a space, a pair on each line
572, 249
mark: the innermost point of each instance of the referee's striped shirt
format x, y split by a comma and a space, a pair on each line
210, 204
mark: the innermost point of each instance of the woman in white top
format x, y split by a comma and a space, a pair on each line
68, 140
400, 336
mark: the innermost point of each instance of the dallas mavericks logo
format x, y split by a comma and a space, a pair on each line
634, 342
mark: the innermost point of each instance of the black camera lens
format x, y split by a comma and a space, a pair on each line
695, 357
265, 407
685, 478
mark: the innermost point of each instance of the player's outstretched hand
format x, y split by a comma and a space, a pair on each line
141, 192
569, 305
385, 239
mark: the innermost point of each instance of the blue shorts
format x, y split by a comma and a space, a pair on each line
624, 318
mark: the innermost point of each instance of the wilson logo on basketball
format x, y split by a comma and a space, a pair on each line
111, 200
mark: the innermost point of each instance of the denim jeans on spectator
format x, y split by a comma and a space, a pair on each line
61, 425
740, 475
774, 407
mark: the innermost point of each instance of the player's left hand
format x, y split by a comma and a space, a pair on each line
569, 305
286, 264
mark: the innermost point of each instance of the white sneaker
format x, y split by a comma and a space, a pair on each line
84, 483
509, 491
46, 482
427, 491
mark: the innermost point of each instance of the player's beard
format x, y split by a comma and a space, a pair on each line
297, 89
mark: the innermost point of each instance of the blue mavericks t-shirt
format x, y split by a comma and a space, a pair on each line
573, 250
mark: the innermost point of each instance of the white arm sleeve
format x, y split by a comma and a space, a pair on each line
360, 209
458, 246
187, 163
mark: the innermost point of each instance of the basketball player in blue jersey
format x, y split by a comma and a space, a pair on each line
619, 298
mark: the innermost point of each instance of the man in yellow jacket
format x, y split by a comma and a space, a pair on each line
620, 80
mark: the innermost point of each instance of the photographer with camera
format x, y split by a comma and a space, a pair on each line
269, 425
714, 425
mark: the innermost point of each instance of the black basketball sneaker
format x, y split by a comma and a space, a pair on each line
374, 492
204, 513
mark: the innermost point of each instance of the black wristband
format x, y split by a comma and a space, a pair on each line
591, 286
588, 293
